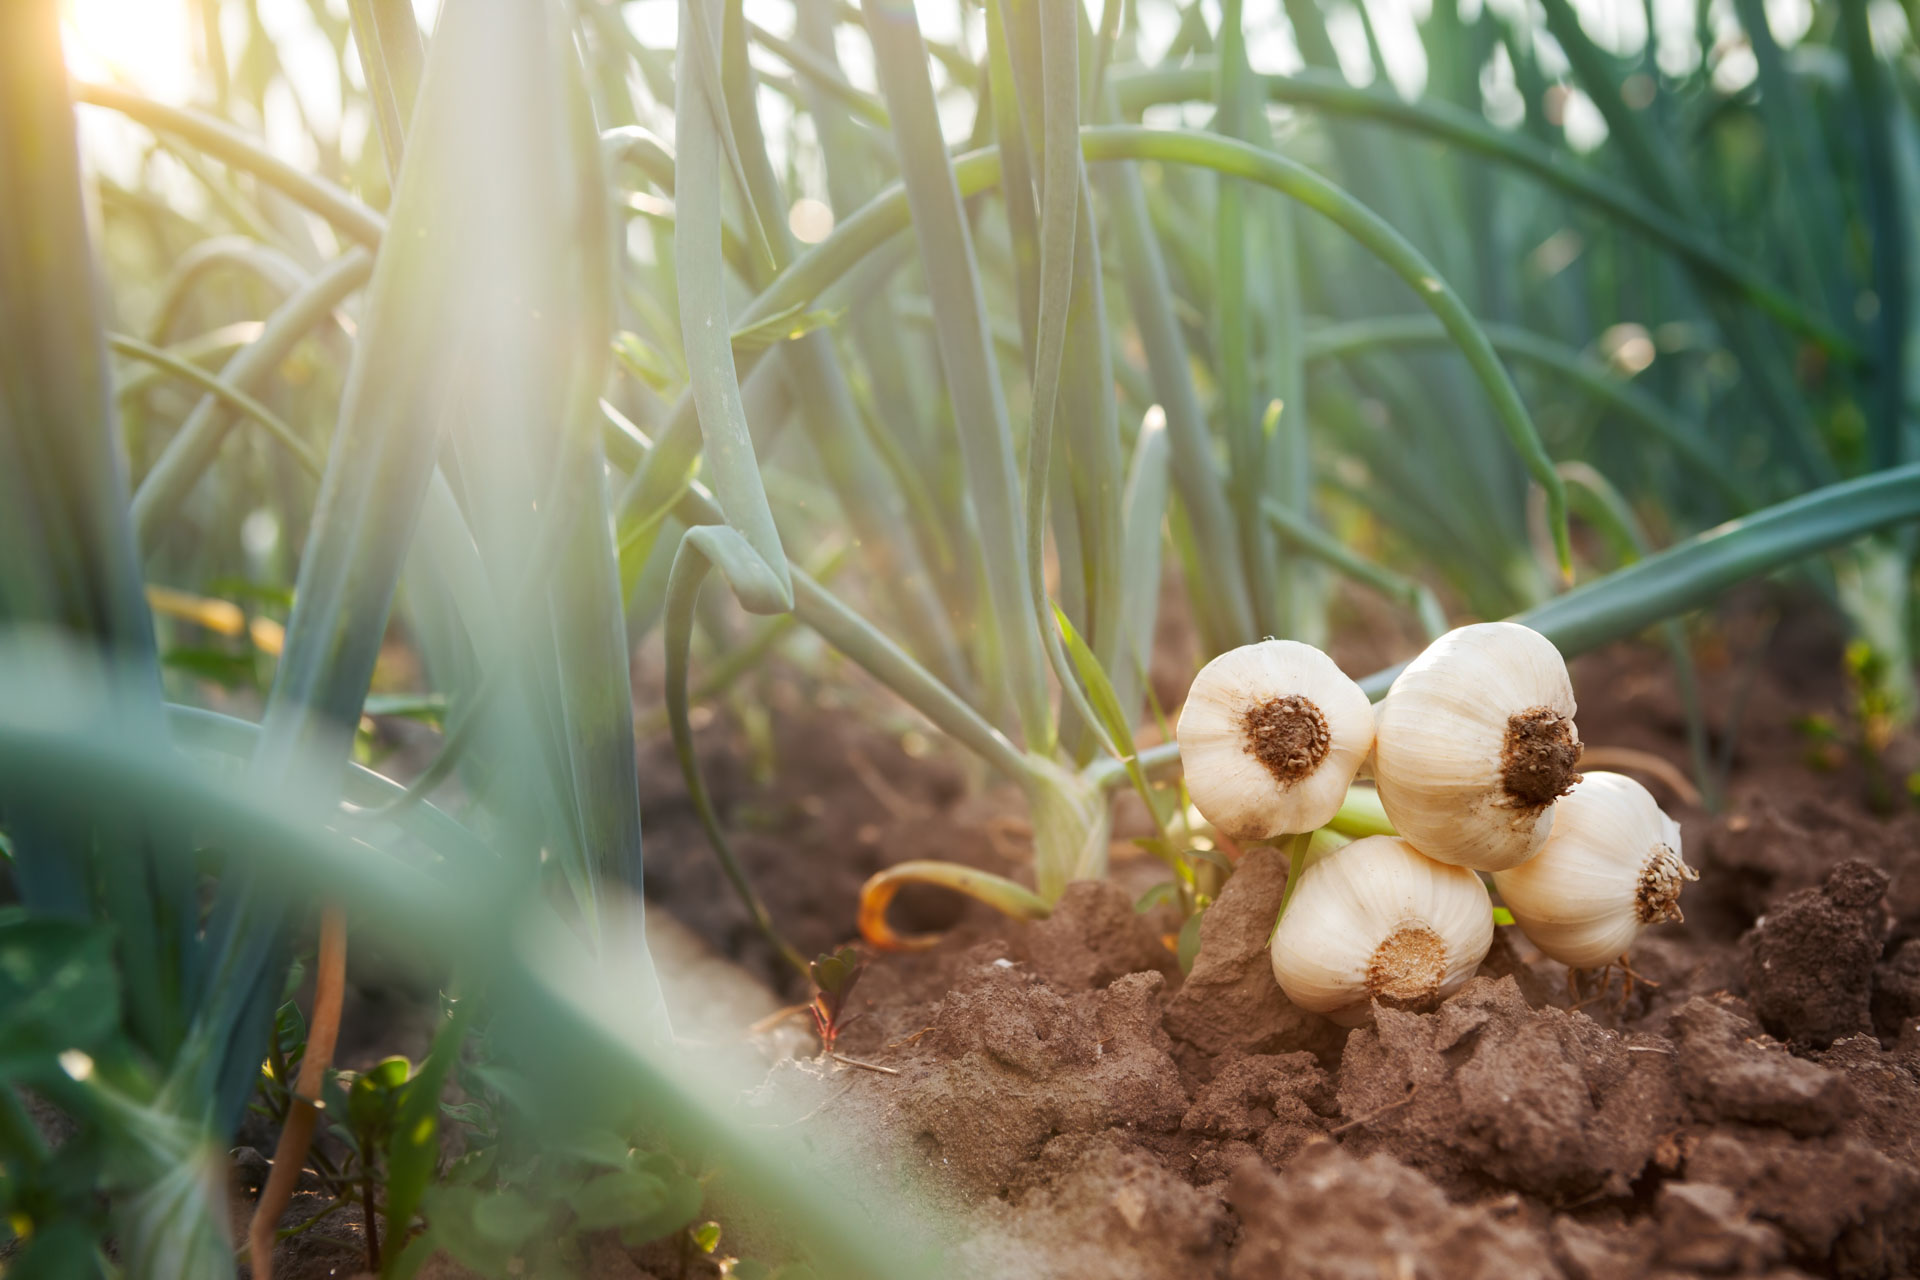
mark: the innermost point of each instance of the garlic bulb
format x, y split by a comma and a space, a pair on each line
1611, 867
1377, 920
1475, 741
1270, 736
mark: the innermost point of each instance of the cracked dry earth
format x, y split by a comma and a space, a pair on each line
1074, 1107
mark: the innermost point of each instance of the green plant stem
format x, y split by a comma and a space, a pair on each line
1668, 583
195, 445
224, 391
232, 147
1323, 92
1597, 380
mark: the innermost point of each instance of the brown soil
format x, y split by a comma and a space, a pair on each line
1751, 1106
1090, 1113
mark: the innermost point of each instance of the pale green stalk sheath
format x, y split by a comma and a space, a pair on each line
193, 448
1146, 514
973, 382
1139, 89
1592, 377
224, 391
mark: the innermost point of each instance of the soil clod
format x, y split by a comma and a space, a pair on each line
1811, 958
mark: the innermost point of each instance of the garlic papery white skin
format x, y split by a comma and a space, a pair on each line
1611, 867
1474, 742
1270, 736
1378, 920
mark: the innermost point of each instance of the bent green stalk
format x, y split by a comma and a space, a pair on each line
1594, 378
1139, 89
222, 390
1685, 576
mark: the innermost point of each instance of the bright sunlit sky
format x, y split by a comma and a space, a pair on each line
149, 45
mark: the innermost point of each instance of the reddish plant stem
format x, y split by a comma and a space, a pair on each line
304, 1108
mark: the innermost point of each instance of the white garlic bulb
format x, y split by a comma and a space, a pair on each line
1474, 742
1377, 920
1611, 867
1270, 736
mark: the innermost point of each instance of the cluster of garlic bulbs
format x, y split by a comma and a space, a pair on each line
1474, 755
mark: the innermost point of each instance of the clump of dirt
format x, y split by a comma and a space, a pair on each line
1009, 1063
1094, 936
1230, 1002
1811, 958
1329, 1215
1489, 1092
1727, 1074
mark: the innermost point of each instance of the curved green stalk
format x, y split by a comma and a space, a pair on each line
1596, 379
1691, 573
702, 548
844, 629
1602, 505
230, 146
887, 214
268, 264
220, 389
194, 446
1141, 89
1389, 246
